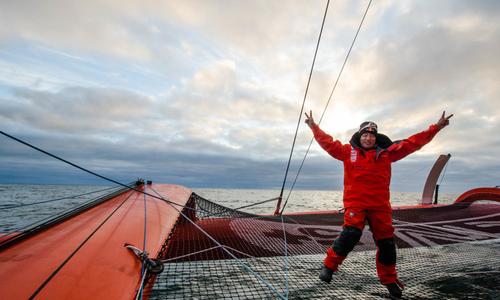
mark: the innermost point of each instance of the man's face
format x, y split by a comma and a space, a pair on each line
368, 140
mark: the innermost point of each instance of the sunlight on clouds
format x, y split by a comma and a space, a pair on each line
342, 117
489, 119
226, 79
219, 76
469, 24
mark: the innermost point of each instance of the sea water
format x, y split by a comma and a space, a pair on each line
15, 219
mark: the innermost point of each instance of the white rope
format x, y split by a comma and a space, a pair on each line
189, 254
143, 267
307, 233
240, 252
139, 293
286, 257
327, 103
205, 250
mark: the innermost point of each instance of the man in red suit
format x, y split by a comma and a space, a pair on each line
367, 175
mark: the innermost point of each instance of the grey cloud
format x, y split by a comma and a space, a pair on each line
231, 122
125, 162
93, 25
214, 111
119, 28
217, 105
235, 22
267, 36
75, 110
428, 66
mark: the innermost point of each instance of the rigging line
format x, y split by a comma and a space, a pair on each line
39, 289
320, 247
190, 254
301, 110
86, 170
245, 266
143, 280
330, 97
241, 207
204, 251
307, 233
145, 223
143, 261
57, 199
257, 203
286, 257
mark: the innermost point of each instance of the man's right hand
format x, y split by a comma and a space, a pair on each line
309, 119
444, 121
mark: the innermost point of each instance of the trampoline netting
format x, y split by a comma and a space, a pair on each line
448, 252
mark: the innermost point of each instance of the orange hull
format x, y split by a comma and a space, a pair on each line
102, 268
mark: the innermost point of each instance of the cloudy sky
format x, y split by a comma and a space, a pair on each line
208, 93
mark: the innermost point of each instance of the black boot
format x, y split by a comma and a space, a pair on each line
326, 274
394, 290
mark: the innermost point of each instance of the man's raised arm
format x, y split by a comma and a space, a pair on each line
405, 147
334, 147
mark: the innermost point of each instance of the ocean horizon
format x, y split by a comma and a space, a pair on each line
298, 201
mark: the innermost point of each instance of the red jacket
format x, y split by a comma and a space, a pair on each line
367, 173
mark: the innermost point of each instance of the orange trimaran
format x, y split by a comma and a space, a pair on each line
89, 255
117, 247
90, 266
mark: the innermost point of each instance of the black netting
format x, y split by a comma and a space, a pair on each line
458, 271
208, 209
438, 256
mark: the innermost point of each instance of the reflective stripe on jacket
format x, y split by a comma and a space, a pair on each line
367, 173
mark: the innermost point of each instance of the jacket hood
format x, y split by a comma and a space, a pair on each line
383, 142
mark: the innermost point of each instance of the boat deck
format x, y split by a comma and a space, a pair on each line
468, 270
445, 252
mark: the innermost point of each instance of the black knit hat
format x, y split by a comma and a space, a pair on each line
382, 140
368, 126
